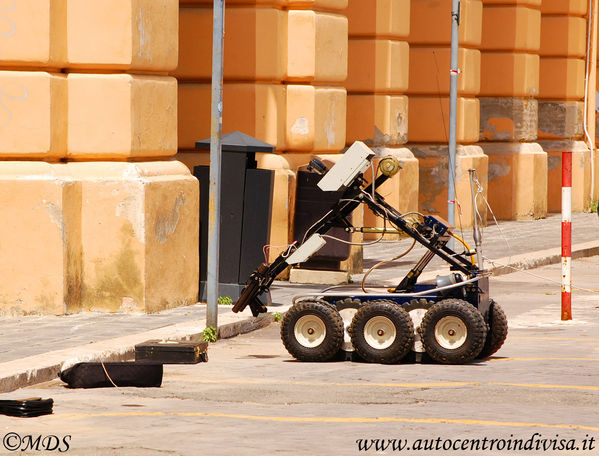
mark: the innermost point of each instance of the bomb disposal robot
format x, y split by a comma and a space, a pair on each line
451, 319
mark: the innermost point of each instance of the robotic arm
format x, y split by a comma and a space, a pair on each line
347, 175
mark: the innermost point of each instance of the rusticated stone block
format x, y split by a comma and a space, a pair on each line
510, 27
560, 119
509, 74
317, 48
429, 24
573, 7
316, 118
561, 78
508, 119
139, 230
428, 119
434, 178
255, 109
333, 5
517, 180
378, 120
379, 18
33, 33
255, 44
40, 258
119, 116
123, 34
378, 65
563, 36
425, 63
581, 174
33, 114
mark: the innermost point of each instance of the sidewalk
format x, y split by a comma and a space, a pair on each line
33, 348
511, 242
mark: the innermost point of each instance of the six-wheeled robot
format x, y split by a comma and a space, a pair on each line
450, 320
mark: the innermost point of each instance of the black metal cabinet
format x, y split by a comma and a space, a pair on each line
311, 203
246, 204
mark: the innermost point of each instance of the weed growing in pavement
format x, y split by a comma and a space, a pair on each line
209, 334
225, 301
277, 317
594, 206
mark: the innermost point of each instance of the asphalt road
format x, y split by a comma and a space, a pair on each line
251, 398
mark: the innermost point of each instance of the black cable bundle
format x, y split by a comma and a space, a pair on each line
27, 408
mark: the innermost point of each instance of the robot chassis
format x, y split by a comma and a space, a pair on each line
450, 320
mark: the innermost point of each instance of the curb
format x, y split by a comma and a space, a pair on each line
20, 373
542, 258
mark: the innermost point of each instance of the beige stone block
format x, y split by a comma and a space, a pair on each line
400, 191
139, 235
377, 120
123, 34
121, 115
40, 251
517, 180
429, 24
315, 118
32, 114
33, 33
509, 74
581, 174
378, 65
255, 109
379, 18
563, 36
426, 62
508, 28
561, 78
433, 182
318, 276
255, 44
573, 7
316, 46
428, 119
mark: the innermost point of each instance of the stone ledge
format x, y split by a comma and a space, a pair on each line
318, 276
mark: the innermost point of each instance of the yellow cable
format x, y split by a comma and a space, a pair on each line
465, 245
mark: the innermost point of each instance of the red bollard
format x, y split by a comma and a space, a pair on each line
566, 235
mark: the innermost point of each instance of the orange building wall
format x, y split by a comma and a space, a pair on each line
561, 98
285, 66
510, 86
83, 90
429, 87
378, 72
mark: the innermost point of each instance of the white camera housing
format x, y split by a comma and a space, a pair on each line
354, 162
307, 249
